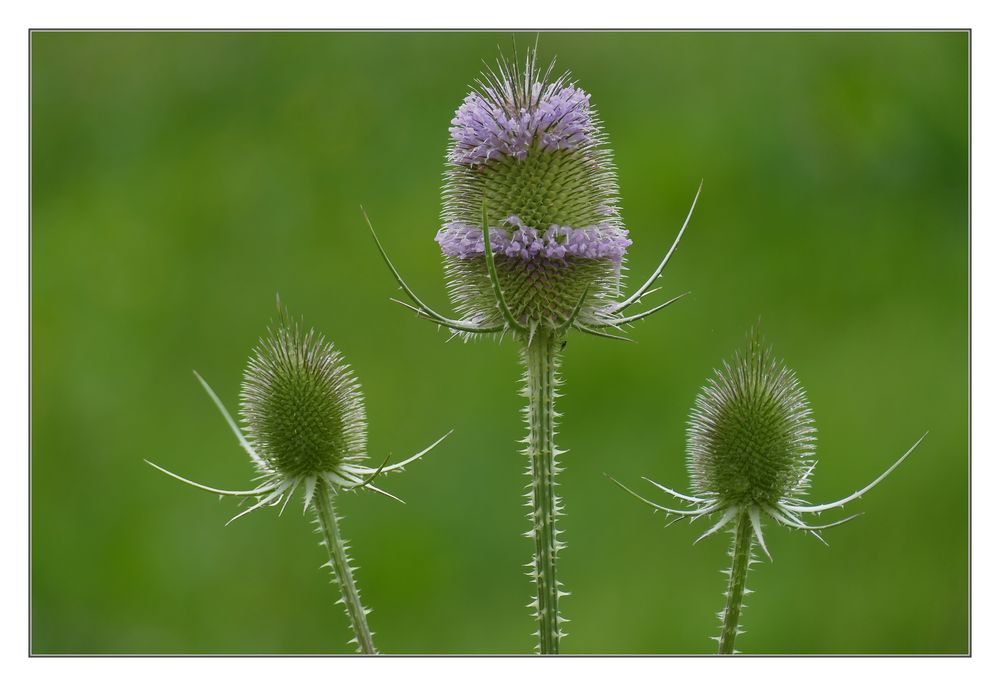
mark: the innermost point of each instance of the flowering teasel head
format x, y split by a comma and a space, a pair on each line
529, 160
533, 245
532, 236
750, 447
303, 420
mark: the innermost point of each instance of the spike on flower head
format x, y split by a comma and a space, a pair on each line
530, 147
751, 433
301, 404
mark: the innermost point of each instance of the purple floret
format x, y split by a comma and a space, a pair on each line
489, 125
515, 239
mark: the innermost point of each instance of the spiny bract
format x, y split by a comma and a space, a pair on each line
301, 404
530, 148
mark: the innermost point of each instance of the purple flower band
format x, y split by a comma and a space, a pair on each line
488, 126
598, 242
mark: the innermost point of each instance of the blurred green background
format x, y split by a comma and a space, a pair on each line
181, 180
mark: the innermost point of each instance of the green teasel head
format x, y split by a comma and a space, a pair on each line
751, 443
301, 404
750, 447
750, 435
303, 418
529, 167
304, 430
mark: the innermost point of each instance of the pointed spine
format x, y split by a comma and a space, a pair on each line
340, 566
740, 552
541, 363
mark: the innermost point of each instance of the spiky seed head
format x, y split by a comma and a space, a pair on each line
750, 434
531, 147
300, 403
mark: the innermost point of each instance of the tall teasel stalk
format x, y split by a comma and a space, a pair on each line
304, 428
750, 444
534, 246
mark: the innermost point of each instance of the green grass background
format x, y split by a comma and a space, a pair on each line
181, 180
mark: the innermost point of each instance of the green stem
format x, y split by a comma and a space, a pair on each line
541, 361
340, 565
742, 540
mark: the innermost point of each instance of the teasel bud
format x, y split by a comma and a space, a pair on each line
302, 407
750, 447
751, 434
304, 429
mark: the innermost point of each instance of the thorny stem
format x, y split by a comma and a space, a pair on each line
742, 542
340, 565
540, 358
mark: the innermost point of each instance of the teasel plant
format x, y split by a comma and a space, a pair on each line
534, 247
304, 427
751, 442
